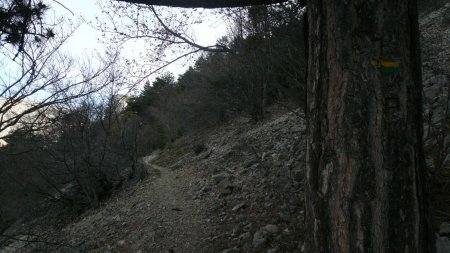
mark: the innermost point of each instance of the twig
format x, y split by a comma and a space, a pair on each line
62, 5
214, 49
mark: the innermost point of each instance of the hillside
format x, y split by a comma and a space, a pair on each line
243, 189
435, 37
36, 117
237, 187
24, 105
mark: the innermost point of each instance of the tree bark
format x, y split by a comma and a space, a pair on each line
366, 179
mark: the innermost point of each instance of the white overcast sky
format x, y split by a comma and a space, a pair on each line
84, 42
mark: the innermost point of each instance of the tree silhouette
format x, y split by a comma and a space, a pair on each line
20, 19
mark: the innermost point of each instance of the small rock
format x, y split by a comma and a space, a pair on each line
275, 157
429, 163
284, 216
444, 229
250, 163
267, 204
446, 163
247, 227
121, 243
233, 250
271, 251
259, 238
205, 189
289, 163
225, 191
438, 116
272, 229
434, 90
263, 156
238, 207
236, 230
244, 237
300, 246
447, 142
442, 245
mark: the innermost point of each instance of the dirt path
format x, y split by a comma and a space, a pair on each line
158, 214
181, 222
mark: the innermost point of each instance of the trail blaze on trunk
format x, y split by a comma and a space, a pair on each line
366, 178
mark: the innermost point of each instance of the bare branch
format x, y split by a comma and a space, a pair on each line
213, 49
204, 3
168, 63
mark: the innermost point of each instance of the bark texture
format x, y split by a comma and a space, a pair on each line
203, 3
366, 179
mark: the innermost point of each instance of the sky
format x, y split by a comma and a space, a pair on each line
85, 40
84, 43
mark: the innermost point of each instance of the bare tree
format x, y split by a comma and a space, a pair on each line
266, 65
41, 77
165, 34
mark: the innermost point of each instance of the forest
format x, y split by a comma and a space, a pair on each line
375, 166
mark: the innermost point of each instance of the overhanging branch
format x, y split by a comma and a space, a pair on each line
204, 3
213, 49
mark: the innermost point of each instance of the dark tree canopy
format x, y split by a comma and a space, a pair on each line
19, 19
204, 3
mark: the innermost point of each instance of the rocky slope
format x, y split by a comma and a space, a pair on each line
237, 186
252, 177
435, 41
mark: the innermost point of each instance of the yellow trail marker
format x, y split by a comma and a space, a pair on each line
387, 67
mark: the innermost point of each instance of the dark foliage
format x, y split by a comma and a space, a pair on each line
21, 20
90, 149
266, 66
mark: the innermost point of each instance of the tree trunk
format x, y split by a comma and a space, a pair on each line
366, 179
